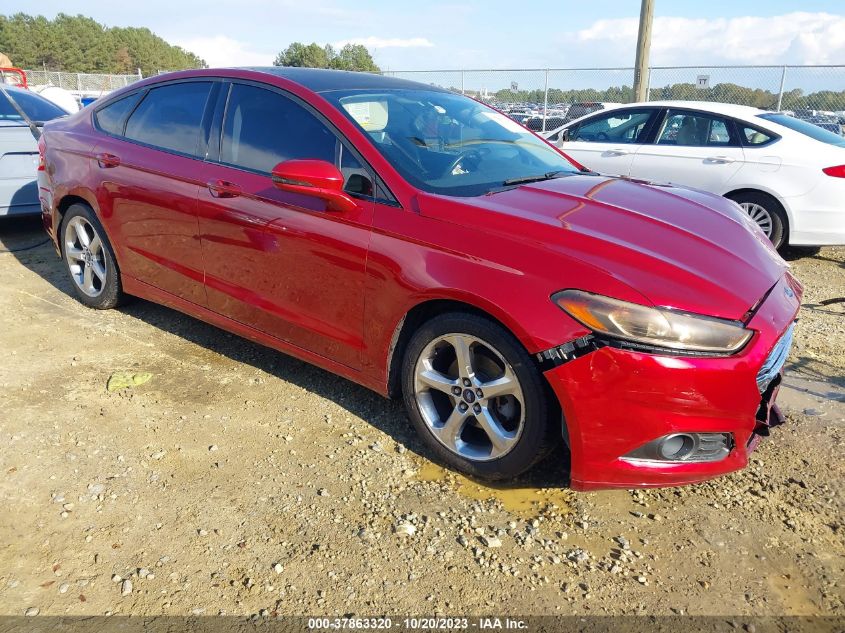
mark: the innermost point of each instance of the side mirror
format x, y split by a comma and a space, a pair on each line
564, 136
317, 178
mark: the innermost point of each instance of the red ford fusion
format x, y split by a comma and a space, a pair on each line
424, 245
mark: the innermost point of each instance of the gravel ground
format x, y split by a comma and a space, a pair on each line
233, 479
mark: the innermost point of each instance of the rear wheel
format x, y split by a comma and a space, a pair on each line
476, 398
766, 212
89, 259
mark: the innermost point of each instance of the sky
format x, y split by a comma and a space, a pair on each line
481, 34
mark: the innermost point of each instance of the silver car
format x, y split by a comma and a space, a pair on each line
19, 150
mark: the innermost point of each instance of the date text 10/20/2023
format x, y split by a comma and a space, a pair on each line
412, 623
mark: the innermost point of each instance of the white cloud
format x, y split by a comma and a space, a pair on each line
387, 42
794, 38
222, 51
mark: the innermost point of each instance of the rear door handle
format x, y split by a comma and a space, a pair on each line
719, 160
223, 189
617, 151
107, 160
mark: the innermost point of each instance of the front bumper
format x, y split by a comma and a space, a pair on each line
614, 401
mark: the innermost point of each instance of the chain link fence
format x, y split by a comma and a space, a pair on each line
81, 84
546, 96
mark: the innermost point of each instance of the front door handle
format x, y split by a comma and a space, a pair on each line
719, 160
106, 160
223, 189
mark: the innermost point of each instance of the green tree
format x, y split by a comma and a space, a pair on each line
350, 57
355, 57
305, 56
80, 44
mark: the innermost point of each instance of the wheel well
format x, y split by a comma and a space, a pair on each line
64, 205
736, 192
412, 321
425, 311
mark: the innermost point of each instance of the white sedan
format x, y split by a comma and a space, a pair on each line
787, 174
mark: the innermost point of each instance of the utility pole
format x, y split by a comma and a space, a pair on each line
643, 46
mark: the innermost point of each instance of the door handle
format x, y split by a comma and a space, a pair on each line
616, 151
106, 160
719, 160
223, 189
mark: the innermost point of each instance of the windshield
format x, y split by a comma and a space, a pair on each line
446, 143
804, 127
37, 108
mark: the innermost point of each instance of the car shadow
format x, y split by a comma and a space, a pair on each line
821, 376
24, 238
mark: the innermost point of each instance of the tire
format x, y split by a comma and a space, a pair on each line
522, 417
767, 212
91, 266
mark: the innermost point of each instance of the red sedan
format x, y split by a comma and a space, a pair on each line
426, 246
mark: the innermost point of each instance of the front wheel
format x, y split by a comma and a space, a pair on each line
89, 259
476, 398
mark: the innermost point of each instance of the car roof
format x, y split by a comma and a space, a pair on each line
728, 109
324, 80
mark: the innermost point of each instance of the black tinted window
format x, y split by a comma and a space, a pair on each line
36, 107
112, 117
263, 128
169, 117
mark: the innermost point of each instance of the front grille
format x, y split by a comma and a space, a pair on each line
775, 360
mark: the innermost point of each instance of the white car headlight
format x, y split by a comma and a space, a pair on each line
653, 327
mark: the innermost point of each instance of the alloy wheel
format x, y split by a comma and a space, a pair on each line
469, 397
760, 215
85, 256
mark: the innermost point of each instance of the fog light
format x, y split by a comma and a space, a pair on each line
684, 447
675, 446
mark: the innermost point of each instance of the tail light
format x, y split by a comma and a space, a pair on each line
42, 149
836, 172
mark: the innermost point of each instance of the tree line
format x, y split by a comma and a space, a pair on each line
79, 44
76, 43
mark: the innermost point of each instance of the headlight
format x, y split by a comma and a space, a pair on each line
653, 327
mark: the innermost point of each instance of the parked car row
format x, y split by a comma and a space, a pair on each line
786, 173
830, 121
534, 116
428, 247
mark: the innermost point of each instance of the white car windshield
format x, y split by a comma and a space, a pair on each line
446, 143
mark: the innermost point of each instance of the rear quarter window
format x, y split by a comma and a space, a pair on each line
112, 117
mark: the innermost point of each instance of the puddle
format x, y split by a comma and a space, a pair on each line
525, 501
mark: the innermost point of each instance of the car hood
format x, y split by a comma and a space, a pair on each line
678, 248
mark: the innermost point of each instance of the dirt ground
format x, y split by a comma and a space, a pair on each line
237, 480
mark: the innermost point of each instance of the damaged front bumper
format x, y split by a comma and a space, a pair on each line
621, 407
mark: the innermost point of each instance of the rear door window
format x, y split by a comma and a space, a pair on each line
695, 129
170, 117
